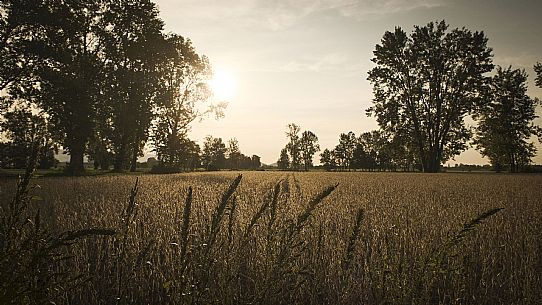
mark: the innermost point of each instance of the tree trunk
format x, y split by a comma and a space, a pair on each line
135, 153
120, 157
76, 166
432, 163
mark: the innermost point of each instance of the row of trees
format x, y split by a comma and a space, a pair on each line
371, 151
505, 124
214, 155
426, 84
300, 149
102, 79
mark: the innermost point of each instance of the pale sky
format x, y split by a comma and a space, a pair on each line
306, 61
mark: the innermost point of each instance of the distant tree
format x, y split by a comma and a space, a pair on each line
327, 158
344, 151
284, 159
424, 86
506, 121
361, 159
294, 146
213, 155
538, 70
233, 154
185, 95
309, 146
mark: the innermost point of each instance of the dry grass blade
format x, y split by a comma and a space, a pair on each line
470, 226
185, 227
69, 237
353, 238
266, 203
221, 209
303, 217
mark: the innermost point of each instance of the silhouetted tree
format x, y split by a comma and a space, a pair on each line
70, 84
327, 158
184, 96
344, 151
213, 156
134, 50
424, 85
284, 159
309, 146
256, 163
361, 158
294, 145
233, 154
23, 45
506, 121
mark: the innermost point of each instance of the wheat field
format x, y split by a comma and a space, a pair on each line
280, 238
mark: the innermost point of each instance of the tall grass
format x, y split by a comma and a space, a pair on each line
303, 238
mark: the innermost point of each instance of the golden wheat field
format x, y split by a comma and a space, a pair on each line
287, 238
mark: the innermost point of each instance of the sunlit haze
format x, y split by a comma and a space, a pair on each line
223, 85
306, 62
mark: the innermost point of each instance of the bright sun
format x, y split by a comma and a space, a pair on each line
223, 85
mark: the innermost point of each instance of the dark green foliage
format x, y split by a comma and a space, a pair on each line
506, 122
538, 71
425, 84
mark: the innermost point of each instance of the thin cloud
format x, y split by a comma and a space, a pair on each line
282, 14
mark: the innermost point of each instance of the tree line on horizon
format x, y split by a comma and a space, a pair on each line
215, 155
425, 85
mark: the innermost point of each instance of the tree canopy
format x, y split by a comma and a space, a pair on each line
424, 85
506, 121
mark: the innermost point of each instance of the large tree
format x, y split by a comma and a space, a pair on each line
134, 50
185, 96
70, 84
426, 83
506, 121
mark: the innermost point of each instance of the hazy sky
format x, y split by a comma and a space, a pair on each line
306, 61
